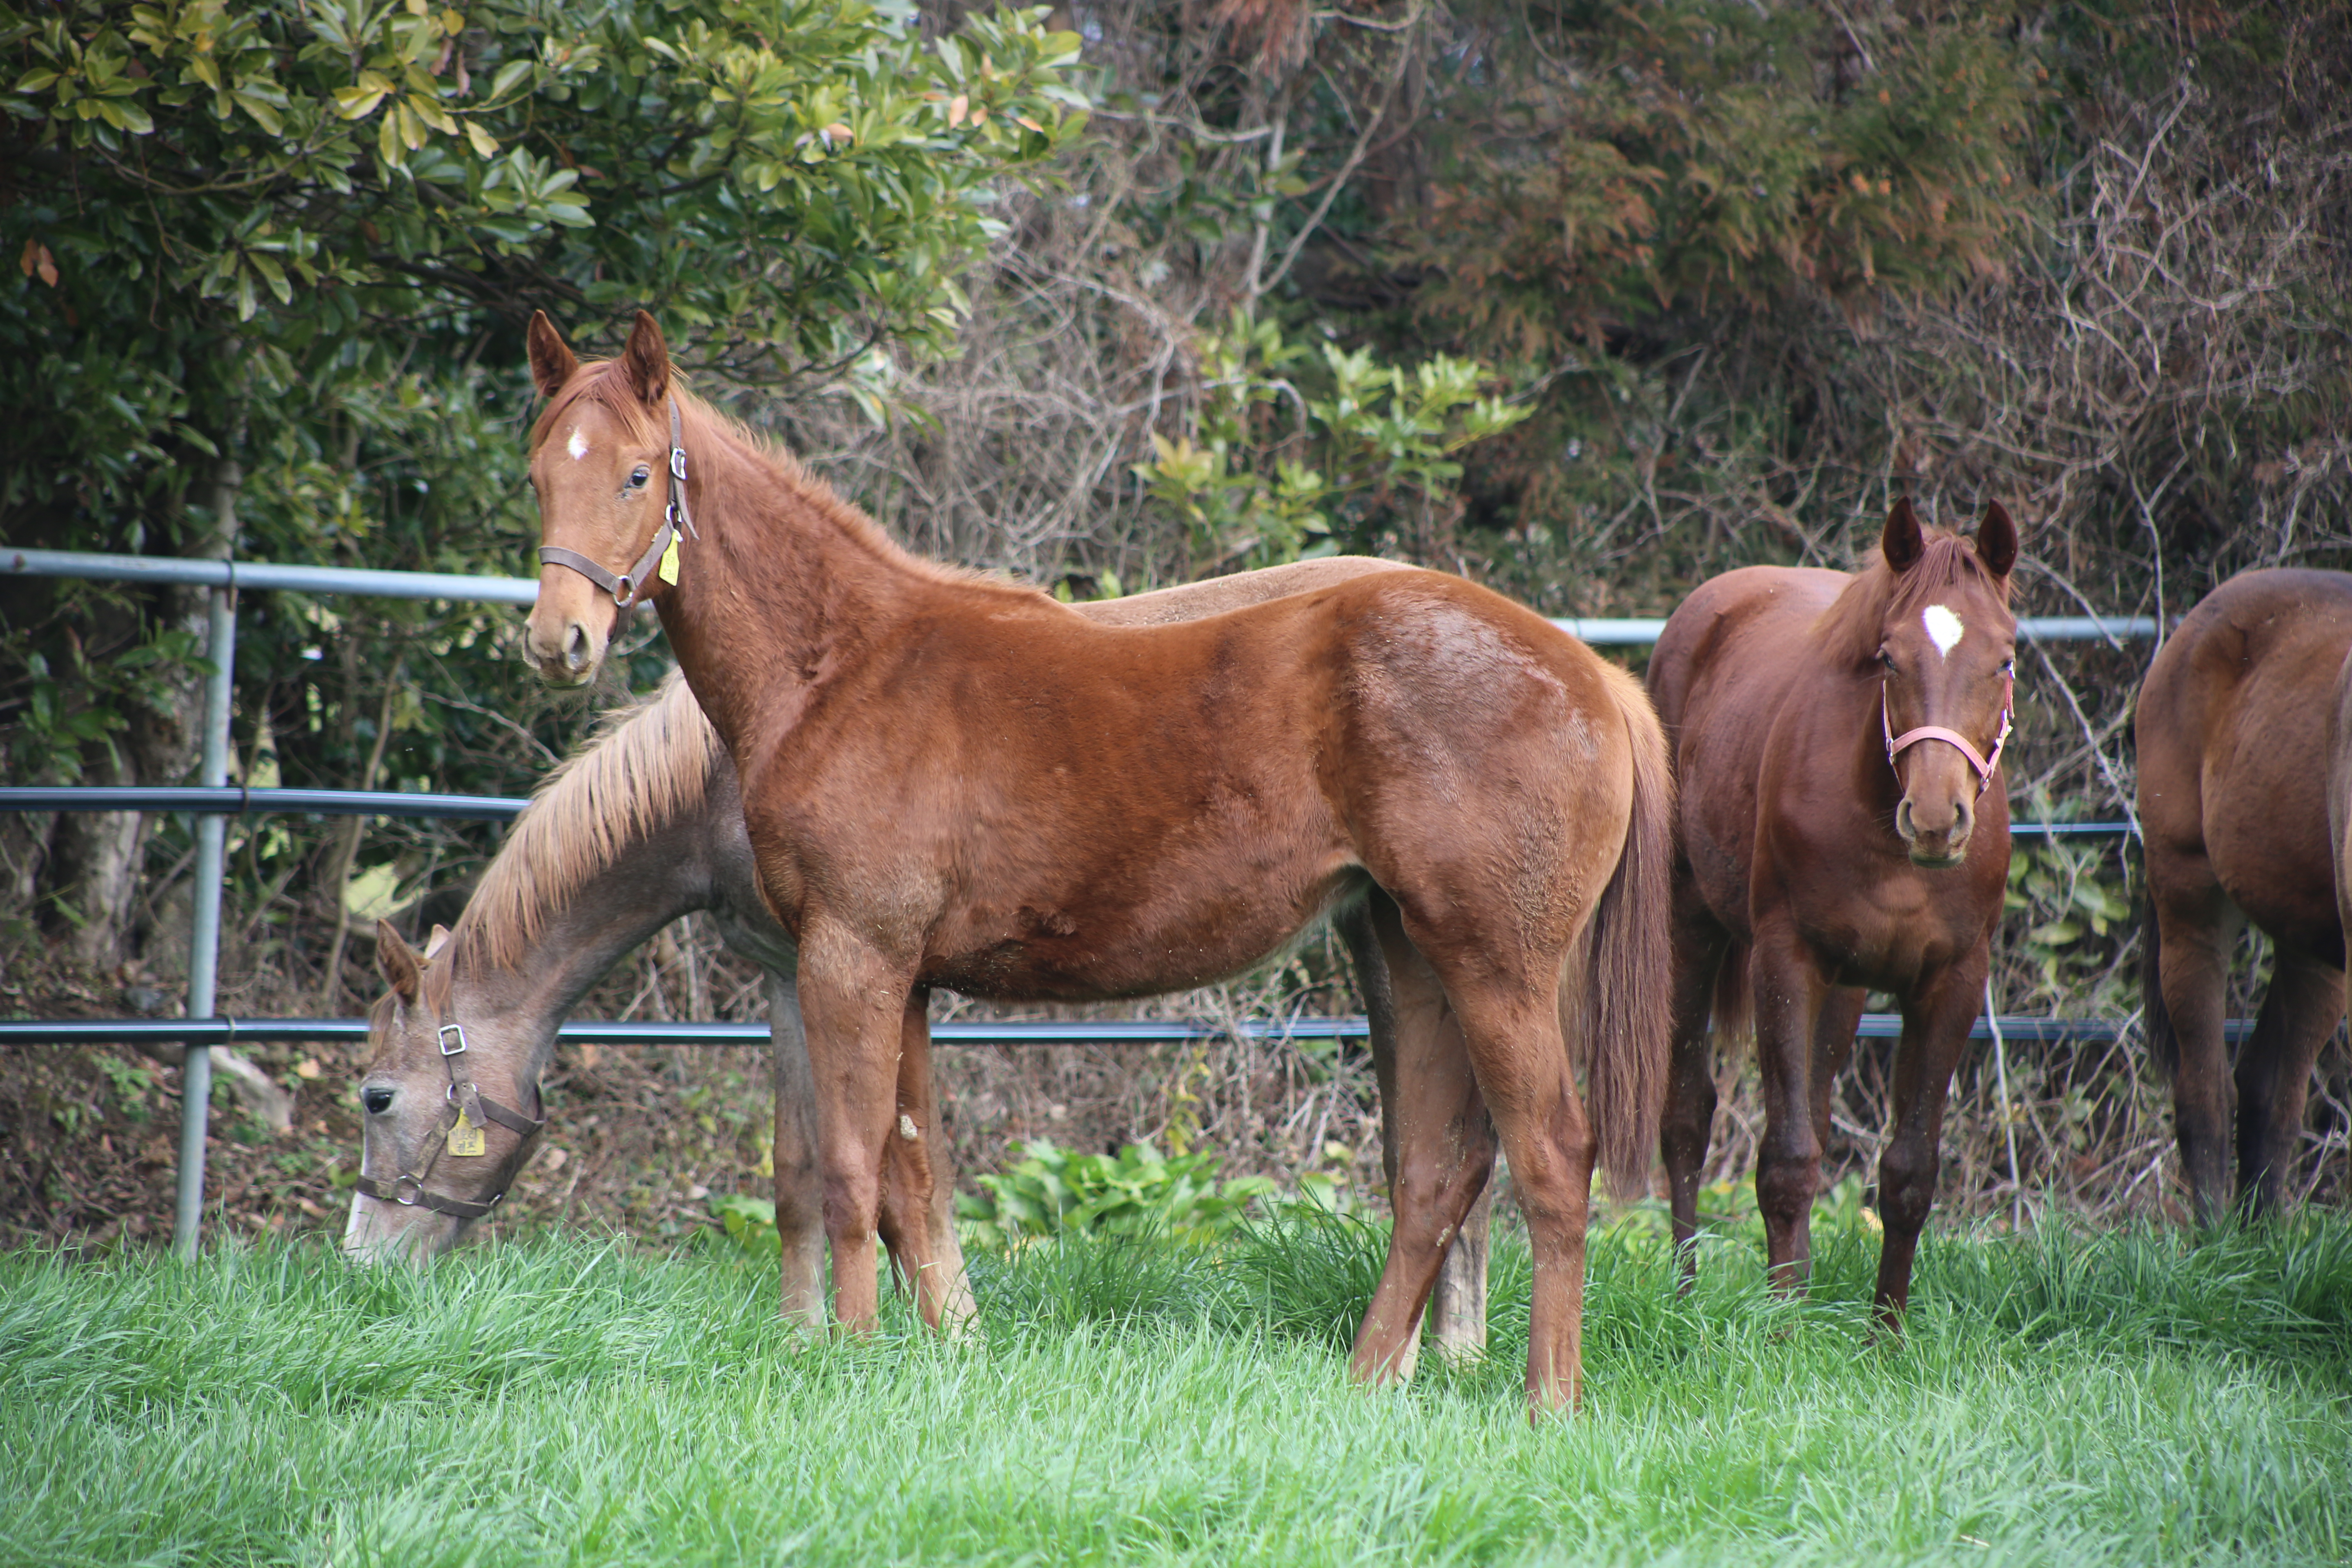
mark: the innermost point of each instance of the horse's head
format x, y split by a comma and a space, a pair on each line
601, 464
1947, 657
426, 1171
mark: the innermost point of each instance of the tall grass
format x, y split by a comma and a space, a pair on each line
2059, 1398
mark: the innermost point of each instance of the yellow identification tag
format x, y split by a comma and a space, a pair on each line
667, 570
466, 1138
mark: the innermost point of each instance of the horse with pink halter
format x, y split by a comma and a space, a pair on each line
1816, 862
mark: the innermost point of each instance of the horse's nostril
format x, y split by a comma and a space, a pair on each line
377, 1100
575, 648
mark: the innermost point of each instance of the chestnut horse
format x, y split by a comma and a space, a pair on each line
639, 827
2235, 753
953, 781
1843, 829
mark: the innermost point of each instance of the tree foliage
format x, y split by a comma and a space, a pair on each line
273, 259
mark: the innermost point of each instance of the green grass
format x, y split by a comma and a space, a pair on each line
2121, 1397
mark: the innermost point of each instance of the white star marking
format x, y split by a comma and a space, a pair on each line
577, 446
1944, 630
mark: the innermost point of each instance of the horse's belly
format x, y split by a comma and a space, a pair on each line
1085, 950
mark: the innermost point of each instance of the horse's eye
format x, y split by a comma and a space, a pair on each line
637, 480
1886, 658
378, 1100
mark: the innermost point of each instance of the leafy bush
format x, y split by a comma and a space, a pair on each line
1052, 1190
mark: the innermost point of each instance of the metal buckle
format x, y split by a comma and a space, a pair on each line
415, 1182
678, 464
625, 591
444, 1033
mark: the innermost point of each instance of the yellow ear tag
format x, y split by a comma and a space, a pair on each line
466, 1138
667, 570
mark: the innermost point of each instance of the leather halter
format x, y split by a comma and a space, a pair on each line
1898, 745
628, 588
466, 1100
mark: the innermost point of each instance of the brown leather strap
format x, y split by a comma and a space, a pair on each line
390, 1193
629, 587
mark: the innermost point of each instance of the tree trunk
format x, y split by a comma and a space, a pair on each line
95, 860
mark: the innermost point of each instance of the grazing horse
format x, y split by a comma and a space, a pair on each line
2235, 810
952, 781
1822, 857
643, 825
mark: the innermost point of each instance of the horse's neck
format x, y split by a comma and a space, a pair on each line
656, 879
772, 594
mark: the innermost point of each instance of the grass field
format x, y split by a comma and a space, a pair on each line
2123, 1397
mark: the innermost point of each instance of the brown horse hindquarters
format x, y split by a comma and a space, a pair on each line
2235, 750
1789, 867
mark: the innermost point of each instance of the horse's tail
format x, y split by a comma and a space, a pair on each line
2155, 1018
1627, 1017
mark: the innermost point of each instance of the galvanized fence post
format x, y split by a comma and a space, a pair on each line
204, 942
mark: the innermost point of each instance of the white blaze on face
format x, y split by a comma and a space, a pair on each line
577, 446
1944, 630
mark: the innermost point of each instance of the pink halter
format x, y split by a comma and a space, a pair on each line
1984, 765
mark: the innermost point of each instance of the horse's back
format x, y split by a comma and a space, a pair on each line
1749, 626
1722, 667
1215, 596
2231, 729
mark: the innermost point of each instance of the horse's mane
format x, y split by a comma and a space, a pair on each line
650, 765
1854, 625
604, 383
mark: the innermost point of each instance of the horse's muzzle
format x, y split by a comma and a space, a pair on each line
1937, 849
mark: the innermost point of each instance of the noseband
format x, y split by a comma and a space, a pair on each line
627, 589
1898, 745
467, 1109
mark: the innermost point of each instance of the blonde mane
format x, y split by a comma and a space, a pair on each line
650, 765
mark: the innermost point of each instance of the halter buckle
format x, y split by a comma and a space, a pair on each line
415, 1185
442, 1034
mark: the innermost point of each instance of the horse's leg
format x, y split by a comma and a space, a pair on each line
1512, 1035
800, 1187
2273, 1078
1833, 1029
2196, 928
1936, 1023
853, 1002
1445, 1152
1457, 1310
1788, 1000
918, 1219
1700, 948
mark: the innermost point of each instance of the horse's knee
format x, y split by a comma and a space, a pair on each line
853, 1202
1907, 1186
1786, 1181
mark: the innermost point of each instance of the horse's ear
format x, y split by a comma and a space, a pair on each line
1997, 539
1902, 543
552, 362
398, 964
436, 941
645, 361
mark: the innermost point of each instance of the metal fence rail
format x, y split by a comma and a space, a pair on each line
213, 800
210, 1031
